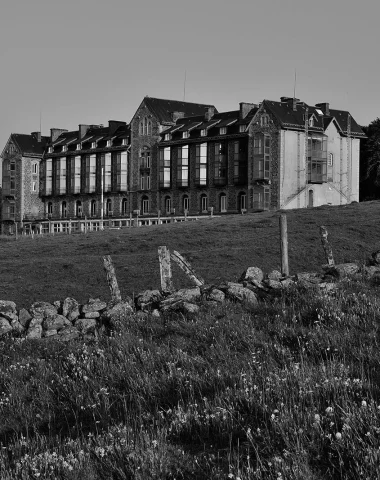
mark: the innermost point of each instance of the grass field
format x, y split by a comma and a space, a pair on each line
287, 390
54, 267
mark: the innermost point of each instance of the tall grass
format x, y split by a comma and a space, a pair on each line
282, 391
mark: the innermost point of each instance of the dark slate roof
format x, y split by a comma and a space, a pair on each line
289, 118
28, 143
93, 134
163, 109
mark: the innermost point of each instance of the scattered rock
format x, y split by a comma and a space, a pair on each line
310, 277
92, 315
35, 321
374, 259
119, 311
57, 305
42, 309
68, 333
216, 295
94, 305
49, 333
7, 307
252, 274
155, 313
237, 292
185, 295
274, 275
149, 299
287, 283
34, 331
341, 271
5, 326
86, 325
16, 326
70, 309
55, 322
274, 284
24, 317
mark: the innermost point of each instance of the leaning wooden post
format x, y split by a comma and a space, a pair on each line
326, 246
70, 226
284, 245
165, 269
111, 279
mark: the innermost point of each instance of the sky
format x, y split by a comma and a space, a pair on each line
86, 61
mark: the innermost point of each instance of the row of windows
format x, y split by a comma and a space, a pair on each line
204, 132
203, 203
94, 208
145, 127
93, 145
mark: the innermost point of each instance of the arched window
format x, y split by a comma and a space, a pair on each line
311, 198
168, 205
145, 205
109, 207
204, 203
149, 132
78, 208
93, 208
185, 203
222, 202
64, 209
141, 128
264, 120
124, 206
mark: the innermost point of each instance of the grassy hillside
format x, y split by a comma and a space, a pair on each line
51, 268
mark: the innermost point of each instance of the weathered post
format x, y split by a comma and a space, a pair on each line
284, 245
165, 269
70, 226
111, 279
16, 232
159, 217
187, 268
326, 246
185, 215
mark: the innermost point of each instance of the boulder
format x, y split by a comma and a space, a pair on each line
16, 326
92, 315
49, 333
119, 311
371, 271
216, 295
55, 322
252, 273
274, 284
274, 275
70, 309
34, 331
68, 333
184, 295
374, 259
35, 321
7, 307
189, 307
94, 305
342, 270
42, 309
86, 325
237, 292
180, 306
310, 277
24, 317
58, 305
149, 299
287, 283
155, 313
5, 326
10, 316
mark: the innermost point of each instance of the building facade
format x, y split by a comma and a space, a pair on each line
177, 158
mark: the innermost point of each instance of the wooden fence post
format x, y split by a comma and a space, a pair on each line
111, 279
284, 245
165, 269
326, 246
187, 268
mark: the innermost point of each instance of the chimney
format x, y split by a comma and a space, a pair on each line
209, 113
291, 101
55, 133
113, 125
177, 115
82, 130
325, 107
245, 108
37, 136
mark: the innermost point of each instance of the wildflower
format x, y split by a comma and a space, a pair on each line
329, 410
364, 403
338, 436
317, 418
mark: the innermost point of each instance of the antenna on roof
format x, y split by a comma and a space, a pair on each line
40, 122
295, 83
184, 88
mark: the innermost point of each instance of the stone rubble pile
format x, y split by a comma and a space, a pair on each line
68, 319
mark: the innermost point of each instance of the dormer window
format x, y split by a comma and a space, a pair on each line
93, 144
79, 146
264, 120
222, 130
124, 141
204, 133
50, 150
311, 122
242, 128
108, 143
185, 135
64, 148
167, 136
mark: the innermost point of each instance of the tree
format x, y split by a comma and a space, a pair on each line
370, 162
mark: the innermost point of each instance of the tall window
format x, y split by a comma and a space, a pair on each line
145, 127
145, 158
75, 174
261, 198
64, 210
220, 164
165, 168
49, 177
35, 168
185, 203
168, 205
242, 201
145, 205
109, 207
50, 209
223, 203
261, 152
93, 208
240, 162
107, 172
124, 206
60, 176
183, 166
78, 208
204, 203
264, 120
122, 171
317, 159
90, 173
201, 176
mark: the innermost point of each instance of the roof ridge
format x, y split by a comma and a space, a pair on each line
179, 101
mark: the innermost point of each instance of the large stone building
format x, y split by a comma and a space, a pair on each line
176, 157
